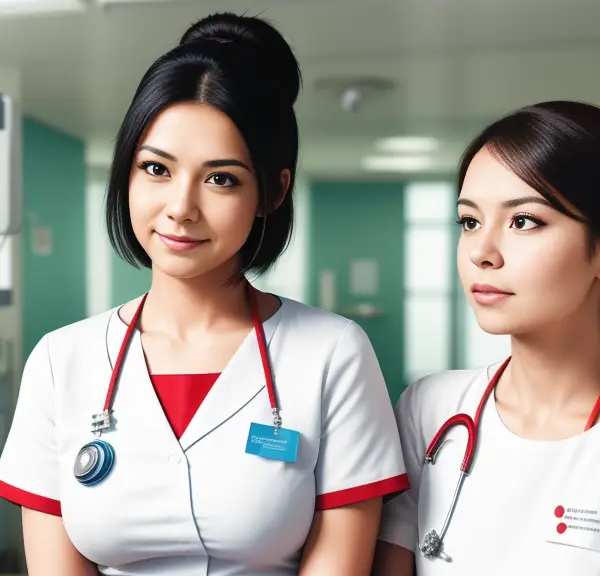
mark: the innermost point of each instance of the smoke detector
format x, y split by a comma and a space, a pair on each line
353, 92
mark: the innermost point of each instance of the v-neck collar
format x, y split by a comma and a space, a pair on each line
240, 381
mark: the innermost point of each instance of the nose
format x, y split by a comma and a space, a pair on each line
485, 252
183, 202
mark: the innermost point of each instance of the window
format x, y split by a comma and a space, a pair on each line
428, 330
429, 259
429, 272
6, 270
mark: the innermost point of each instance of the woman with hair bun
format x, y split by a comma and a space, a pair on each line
205, 428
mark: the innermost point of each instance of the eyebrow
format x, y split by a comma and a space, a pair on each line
220, 163
509, 203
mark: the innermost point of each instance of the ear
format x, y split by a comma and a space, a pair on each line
284, 178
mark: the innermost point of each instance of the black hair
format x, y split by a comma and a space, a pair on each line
242, 66
554, 147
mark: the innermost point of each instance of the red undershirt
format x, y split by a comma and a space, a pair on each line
181, 395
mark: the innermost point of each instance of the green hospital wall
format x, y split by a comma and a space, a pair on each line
356, 220
127, 282
54, 285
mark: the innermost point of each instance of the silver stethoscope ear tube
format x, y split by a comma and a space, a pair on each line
433, 543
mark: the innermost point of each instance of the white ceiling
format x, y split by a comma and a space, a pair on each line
457, 63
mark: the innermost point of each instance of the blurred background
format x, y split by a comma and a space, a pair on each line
393, 91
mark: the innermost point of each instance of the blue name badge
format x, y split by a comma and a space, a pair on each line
262, 441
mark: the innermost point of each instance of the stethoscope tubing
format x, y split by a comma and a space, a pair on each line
432, 546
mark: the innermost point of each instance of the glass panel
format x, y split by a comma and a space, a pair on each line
481, 348
429, 258
6, 263
429, 202
427, 334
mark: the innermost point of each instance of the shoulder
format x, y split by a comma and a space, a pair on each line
449, 384
307, 314
323, 335
87, 326
67, 339
321, 324
72, 349
431, 400
93, 326
335, 346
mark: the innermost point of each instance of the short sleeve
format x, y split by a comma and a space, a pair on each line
399, 524
29, 461
360, 456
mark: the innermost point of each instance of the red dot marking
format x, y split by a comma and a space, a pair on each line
561, 528
559, 511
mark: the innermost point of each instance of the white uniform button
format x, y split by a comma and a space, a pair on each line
174, 458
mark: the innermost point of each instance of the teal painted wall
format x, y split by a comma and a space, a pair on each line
54, 286
355, 220
127, 282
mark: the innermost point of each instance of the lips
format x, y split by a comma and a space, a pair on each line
180, 243
488, 288
179, 238
487, 294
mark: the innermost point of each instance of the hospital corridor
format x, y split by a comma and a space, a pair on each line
392, 93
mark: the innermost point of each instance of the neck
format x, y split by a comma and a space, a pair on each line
180, 306
556, 369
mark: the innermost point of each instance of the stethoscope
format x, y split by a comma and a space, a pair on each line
433, 542
96, 459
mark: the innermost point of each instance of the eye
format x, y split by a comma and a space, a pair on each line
155, 169
223, 180
526, 222
468, 223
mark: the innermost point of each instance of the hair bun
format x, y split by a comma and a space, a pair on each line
254, 34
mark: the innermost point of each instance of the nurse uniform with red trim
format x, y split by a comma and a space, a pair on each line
195, 489
524, 507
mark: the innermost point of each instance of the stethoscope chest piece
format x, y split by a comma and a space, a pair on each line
94, 462
432, 547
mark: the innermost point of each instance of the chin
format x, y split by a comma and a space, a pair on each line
183, 270
496, 329
495, 322
192, 268
504, 324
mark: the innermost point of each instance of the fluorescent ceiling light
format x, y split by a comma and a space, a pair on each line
397, 163
39, 7
407, 144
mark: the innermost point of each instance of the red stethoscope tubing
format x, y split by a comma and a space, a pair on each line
262, 347
472, 424
258, 329
594, 415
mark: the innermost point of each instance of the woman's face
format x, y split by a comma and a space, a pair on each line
193, 195
524, 266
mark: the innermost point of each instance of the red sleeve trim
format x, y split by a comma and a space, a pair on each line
394, 485
30, 500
